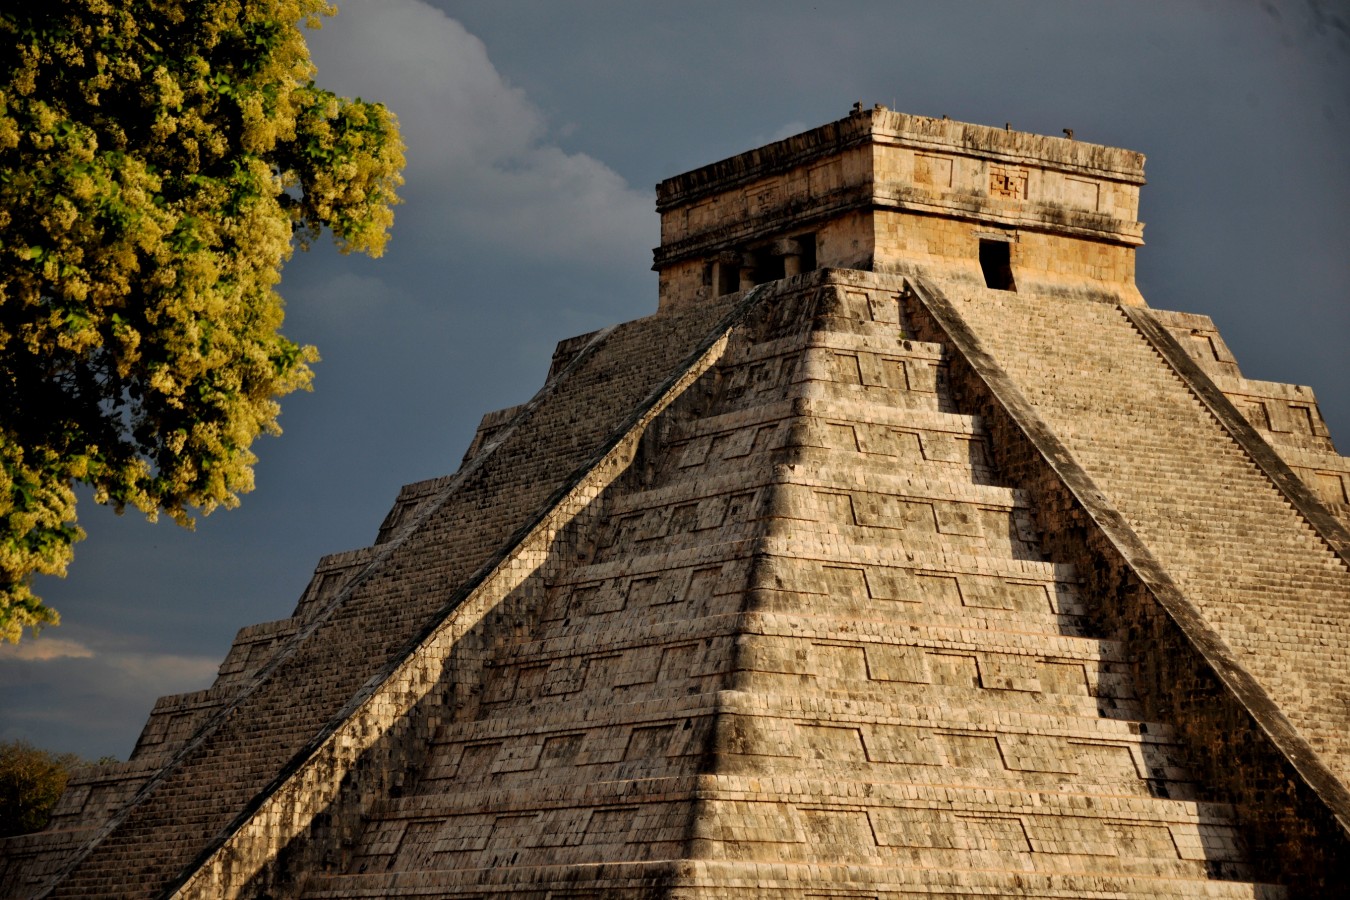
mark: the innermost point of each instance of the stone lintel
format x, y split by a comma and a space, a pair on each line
900, 129
882, 160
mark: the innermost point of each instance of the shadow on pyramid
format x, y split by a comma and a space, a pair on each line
903, 552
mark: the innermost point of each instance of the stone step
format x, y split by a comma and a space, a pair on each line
770, 881
1214, 521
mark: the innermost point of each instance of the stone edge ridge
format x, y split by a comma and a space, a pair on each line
1009, 145
1236, 679
660, 397
1336, 536
895, 128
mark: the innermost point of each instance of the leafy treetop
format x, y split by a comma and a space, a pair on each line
31, 781
159, 159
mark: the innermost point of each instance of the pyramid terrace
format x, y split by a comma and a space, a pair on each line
903, 552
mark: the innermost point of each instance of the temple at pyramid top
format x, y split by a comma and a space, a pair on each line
884, 191
904, 552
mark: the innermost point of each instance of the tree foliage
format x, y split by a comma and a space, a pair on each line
31, 781
159, 160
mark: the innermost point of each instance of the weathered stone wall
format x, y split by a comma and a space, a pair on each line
1041, 262
1187, 675
880, 190
1286, 416
810, 640
371, 620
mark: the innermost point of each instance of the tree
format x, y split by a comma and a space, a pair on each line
159, 160
31, 781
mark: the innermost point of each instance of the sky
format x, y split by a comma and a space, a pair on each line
536, 132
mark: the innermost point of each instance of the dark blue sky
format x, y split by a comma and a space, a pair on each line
536, 132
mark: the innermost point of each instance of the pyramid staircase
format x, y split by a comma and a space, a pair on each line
804, 620
931, 563
1271, 583
811, 640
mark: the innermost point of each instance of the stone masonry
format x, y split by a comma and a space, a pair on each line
903, 552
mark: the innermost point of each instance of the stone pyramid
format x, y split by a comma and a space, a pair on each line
903, 552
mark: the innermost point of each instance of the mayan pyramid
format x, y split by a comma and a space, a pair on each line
903, 552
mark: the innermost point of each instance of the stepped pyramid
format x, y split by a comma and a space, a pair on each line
903, 552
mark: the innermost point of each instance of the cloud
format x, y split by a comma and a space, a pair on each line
482, 170
87, 699
166, 669
42, 648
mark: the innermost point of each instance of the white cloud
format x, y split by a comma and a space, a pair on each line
482, 169
42, 648
174, 672
91, 699
166, 672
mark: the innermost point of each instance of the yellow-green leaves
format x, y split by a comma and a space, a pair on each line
159, 159
31, 781
37, 529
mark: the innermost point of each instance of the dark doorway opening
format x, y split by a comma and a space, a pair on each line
768, 267
995, 262
807, 243
728, 277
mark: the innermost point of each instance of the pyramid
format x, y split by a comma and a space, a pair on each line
903, 552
